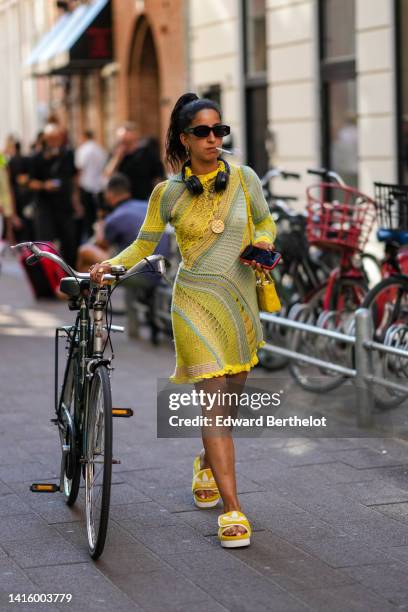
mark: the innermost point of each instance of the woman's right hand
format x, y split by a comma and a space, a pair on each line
98, 270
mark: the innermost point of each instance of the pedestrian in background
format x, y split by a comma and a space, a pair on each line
53, 179
38, 144
138, 159
90, 161
19, 169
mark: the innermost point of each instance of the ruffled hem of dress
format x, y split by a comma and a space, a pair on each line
227, 369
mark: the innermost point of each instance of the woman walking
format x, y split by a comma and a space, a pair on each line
214, 311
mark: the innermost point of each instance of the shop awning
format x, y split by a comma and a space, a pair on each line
79, 41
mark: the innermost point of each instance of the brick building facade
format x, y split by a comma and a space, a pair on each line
150, 50
147, 74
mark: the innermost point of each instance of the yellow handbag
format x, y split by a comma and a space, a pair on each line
268, 299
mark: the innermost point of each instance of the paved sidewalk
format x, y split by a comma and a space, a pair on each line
330, 515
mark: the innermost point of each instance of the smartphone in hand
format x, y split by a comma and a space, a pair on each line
267, 259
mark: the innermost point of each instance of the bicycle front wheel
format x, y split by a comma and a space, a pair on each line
388, 305
346, 298
98, 472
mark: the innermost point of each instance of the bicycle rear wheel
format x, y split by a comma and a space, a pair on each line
98, 471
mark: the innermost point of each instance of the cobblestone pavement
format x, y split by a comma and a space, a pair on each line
330, 516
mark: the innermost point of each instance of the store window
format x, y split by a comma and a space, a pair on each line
255, 24
402, 97
338, 32
255, 83
338, 88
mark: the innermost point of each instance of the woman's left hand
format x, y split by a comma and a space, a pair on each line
261, 245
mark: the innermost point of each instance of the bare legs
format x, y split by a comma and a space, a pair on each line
219, 452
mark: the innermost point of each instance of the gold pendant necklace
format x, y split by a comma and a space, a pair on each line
217, 226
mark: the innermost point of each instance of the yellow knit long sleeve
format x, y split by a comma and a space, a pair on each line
149, 234
265, 231
265, 227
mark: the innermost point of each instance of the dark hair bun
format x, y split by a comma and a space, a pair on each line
185, 99
180, 104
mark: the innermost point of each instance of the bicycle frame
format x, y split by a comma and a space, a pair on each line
86, 344
346, 269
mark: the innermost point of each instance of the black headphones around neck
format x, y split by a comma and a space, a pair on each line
194, 185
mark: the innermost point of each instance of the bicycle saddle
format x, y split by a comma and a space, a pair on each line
73, 287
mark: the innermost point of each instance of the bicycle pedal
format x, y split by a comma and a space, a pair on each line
116, 461
55, 421
41, 487
122, 412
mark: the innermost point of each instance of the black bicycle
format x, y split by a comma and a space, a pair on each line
83, 406
303, 269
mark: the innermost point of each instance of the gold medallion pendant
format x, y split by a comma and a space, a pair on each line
217, 226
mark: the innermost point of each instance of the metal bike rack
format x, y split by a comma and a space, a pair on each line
363, 373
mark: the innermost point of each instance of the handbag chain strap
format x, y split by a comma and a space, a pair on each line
248, 206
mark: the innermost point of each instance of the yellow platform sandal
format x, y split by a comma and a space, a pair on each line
234, 518
203, 480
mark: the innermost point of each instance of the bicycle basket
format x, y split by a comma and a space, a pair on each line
392, 206
338, 218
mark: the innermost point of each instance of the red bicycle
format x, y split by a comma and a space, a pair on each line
339, 218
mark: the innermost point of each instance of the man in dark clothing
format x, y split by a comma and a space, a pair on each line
137, 159
18, 166
52, 178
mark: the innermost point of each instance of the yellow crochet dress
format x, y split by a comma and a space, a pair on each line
214, 308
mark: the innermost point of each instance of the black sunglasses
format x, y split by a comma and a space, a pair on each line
202, 131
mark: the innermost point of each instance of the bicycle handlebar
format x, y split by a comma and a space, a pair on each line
289, 212
291, 175
283, 198
324, 173
277, 172
319, 171
157, 260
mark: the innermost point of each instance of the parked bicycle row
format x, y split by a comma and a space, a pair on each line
326, 275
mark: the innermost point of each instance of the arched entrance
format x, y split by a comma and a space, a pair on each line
144, 82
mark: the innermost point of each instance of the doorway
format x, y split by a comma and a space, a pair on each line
144, 82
